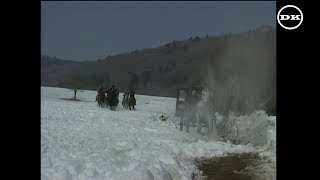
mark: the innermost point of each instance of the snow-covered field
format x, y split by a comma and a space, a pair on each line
79, 140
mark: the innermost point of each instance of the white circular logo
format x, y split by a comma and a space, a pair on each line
290, 19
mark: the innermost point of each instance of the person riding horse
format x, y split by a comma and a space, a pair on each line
101, 96
112, 97
131, 99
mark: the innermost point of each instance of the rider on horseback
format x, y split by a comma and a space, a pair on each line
131, 99
101, 95
112, 97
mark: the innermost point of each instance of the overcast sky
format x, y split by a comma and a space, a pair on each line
92, 30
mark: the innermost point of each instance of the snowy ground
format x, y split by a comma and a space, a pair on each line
79, 140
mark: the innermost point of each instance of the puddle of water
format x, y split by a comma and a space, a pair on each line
231, 167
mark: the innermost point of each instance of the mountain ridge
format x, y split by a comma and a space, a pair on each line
157, 71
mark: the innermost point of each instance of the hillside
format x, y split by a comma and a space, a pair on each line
248, 58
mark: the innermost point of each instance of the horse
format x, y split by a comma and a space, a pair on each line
100, 99
131, 100
125, 101
113, 100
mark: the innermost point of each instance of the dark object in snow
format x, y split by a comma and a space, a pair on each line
113, 97
163, 118
101, 97
129, 101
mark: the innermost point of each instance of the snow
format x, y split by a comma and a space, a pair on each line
257, 128
79, 140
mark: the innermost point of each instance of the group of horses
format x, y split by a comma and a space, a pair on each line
109, 101
195, 113
128, 101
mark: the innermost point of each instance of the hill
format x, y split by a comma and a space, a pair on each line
245, 60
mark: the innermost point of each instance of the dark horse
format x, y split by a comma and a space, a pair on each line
131, 100
102, 100
113, 100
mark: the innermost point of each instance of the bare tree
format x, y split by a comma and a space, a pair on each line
77, 84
